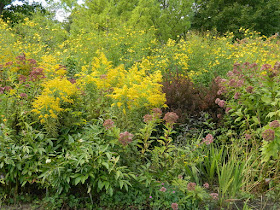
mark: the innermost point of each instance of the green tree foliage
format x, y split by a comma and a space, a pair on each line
259, 15
175, 17
170, 18
3, 4
17, 13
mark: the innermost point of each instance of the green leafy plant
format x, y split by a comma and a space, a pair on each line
89, 161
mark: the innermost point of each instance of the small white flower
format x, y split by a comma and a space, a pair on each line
48, 160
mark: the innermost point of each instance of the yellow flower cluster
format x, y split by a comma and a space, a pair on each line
172, 57
129, 89
199, 55
56, 93
51, 67
137, 89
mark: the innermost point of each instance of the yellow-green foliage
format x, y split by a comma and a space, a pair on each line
7, 38
121, 46
203, 56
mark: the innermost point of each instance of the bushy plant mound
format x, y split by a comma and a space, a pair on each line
117, 119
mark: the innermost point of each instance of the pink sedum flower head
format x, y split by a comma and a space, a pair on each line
23, 95
32, 61
274, 124
22, 78
163, 189
148, 118
232, 83
125, 138
222, 103
247, 136
108, 124
215, 196
174, 206
208, 139
236, 95
268, 135
230, 74
240, 83
249, 89
191, 186
265, 67
170, 117
217, 100
206, 185
157, 112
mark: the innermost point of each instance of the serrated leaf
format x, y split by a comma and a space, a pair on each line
266, 99
271, 114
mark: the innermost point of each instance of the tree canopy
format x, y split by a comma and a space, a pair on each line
17, 13
258, 15
4, 3
169, 18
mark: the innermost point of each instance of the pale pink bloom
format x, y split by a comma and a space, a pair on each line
247, 136
191, 186
217, 100
163, 189
108, 124
125, 138
249, 89
214, 196
171, 117
268, 135
222, 103
274, 124
236, 95
208, 139
174, 206
206, 185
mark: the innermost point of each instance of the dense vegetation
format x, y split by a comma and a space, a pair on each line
135, 105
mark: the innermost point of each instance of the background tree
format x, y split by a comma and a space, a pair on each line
17, 13
169, 17
258, 15
4, 3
